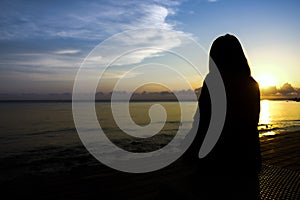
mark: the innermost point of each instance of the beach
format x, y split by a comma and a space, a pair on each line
52, 163
282, 150
82, 176
280, 177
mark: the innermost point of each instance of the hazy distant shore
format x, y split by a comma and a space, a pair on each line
108, 100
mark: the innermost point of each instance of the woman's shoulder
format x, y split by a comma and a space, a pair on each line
254, 83
230, 81
250, 81
253, 80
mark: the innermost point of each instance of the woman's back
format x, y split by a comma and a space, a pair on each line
237, 149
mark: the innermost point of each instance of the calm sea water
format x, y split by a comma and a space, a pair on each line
27, 127
279, 116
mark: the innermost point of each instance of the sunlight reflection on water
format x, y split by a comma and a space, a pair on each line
278, 116
265, 117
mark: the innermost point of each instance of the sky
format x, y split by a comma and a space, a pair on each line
43, 43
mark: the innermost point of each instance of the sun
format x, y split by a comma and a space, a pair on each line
266, 80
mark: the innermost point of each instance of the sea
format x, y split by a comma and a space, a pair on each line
41, 137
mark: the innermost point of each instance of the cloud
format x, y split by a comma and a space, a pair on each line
47, 65
158, 41
82, 20
285, 91
67, 51
38, 60
113, 74
49, 40
139, 45
87, 21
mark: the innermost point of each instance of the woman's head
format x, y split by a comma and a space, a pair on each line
227, 54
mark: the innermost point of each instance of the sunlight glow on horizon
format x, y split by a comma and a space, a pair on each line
266, 80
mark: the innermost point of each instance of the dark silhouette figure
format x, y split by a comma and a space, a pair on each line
230, 170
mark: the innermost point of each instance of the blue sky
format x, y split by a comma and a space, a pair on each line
42, 43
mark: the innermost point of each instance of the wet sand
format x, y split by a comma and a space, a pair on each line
86, 178
282, 150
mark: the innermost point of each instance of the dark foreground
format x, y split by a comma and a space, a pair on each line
82, 177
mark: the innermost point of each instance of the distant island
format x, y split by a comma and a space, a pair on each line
285, 93
295, 99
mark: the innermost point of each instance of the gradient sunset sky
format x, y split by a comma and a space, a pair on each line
43, 43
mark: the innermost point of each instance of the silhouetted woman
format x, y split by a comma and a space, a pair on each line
230, 170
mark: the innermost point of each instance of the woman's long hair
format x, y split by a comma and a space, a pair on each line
227, 54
